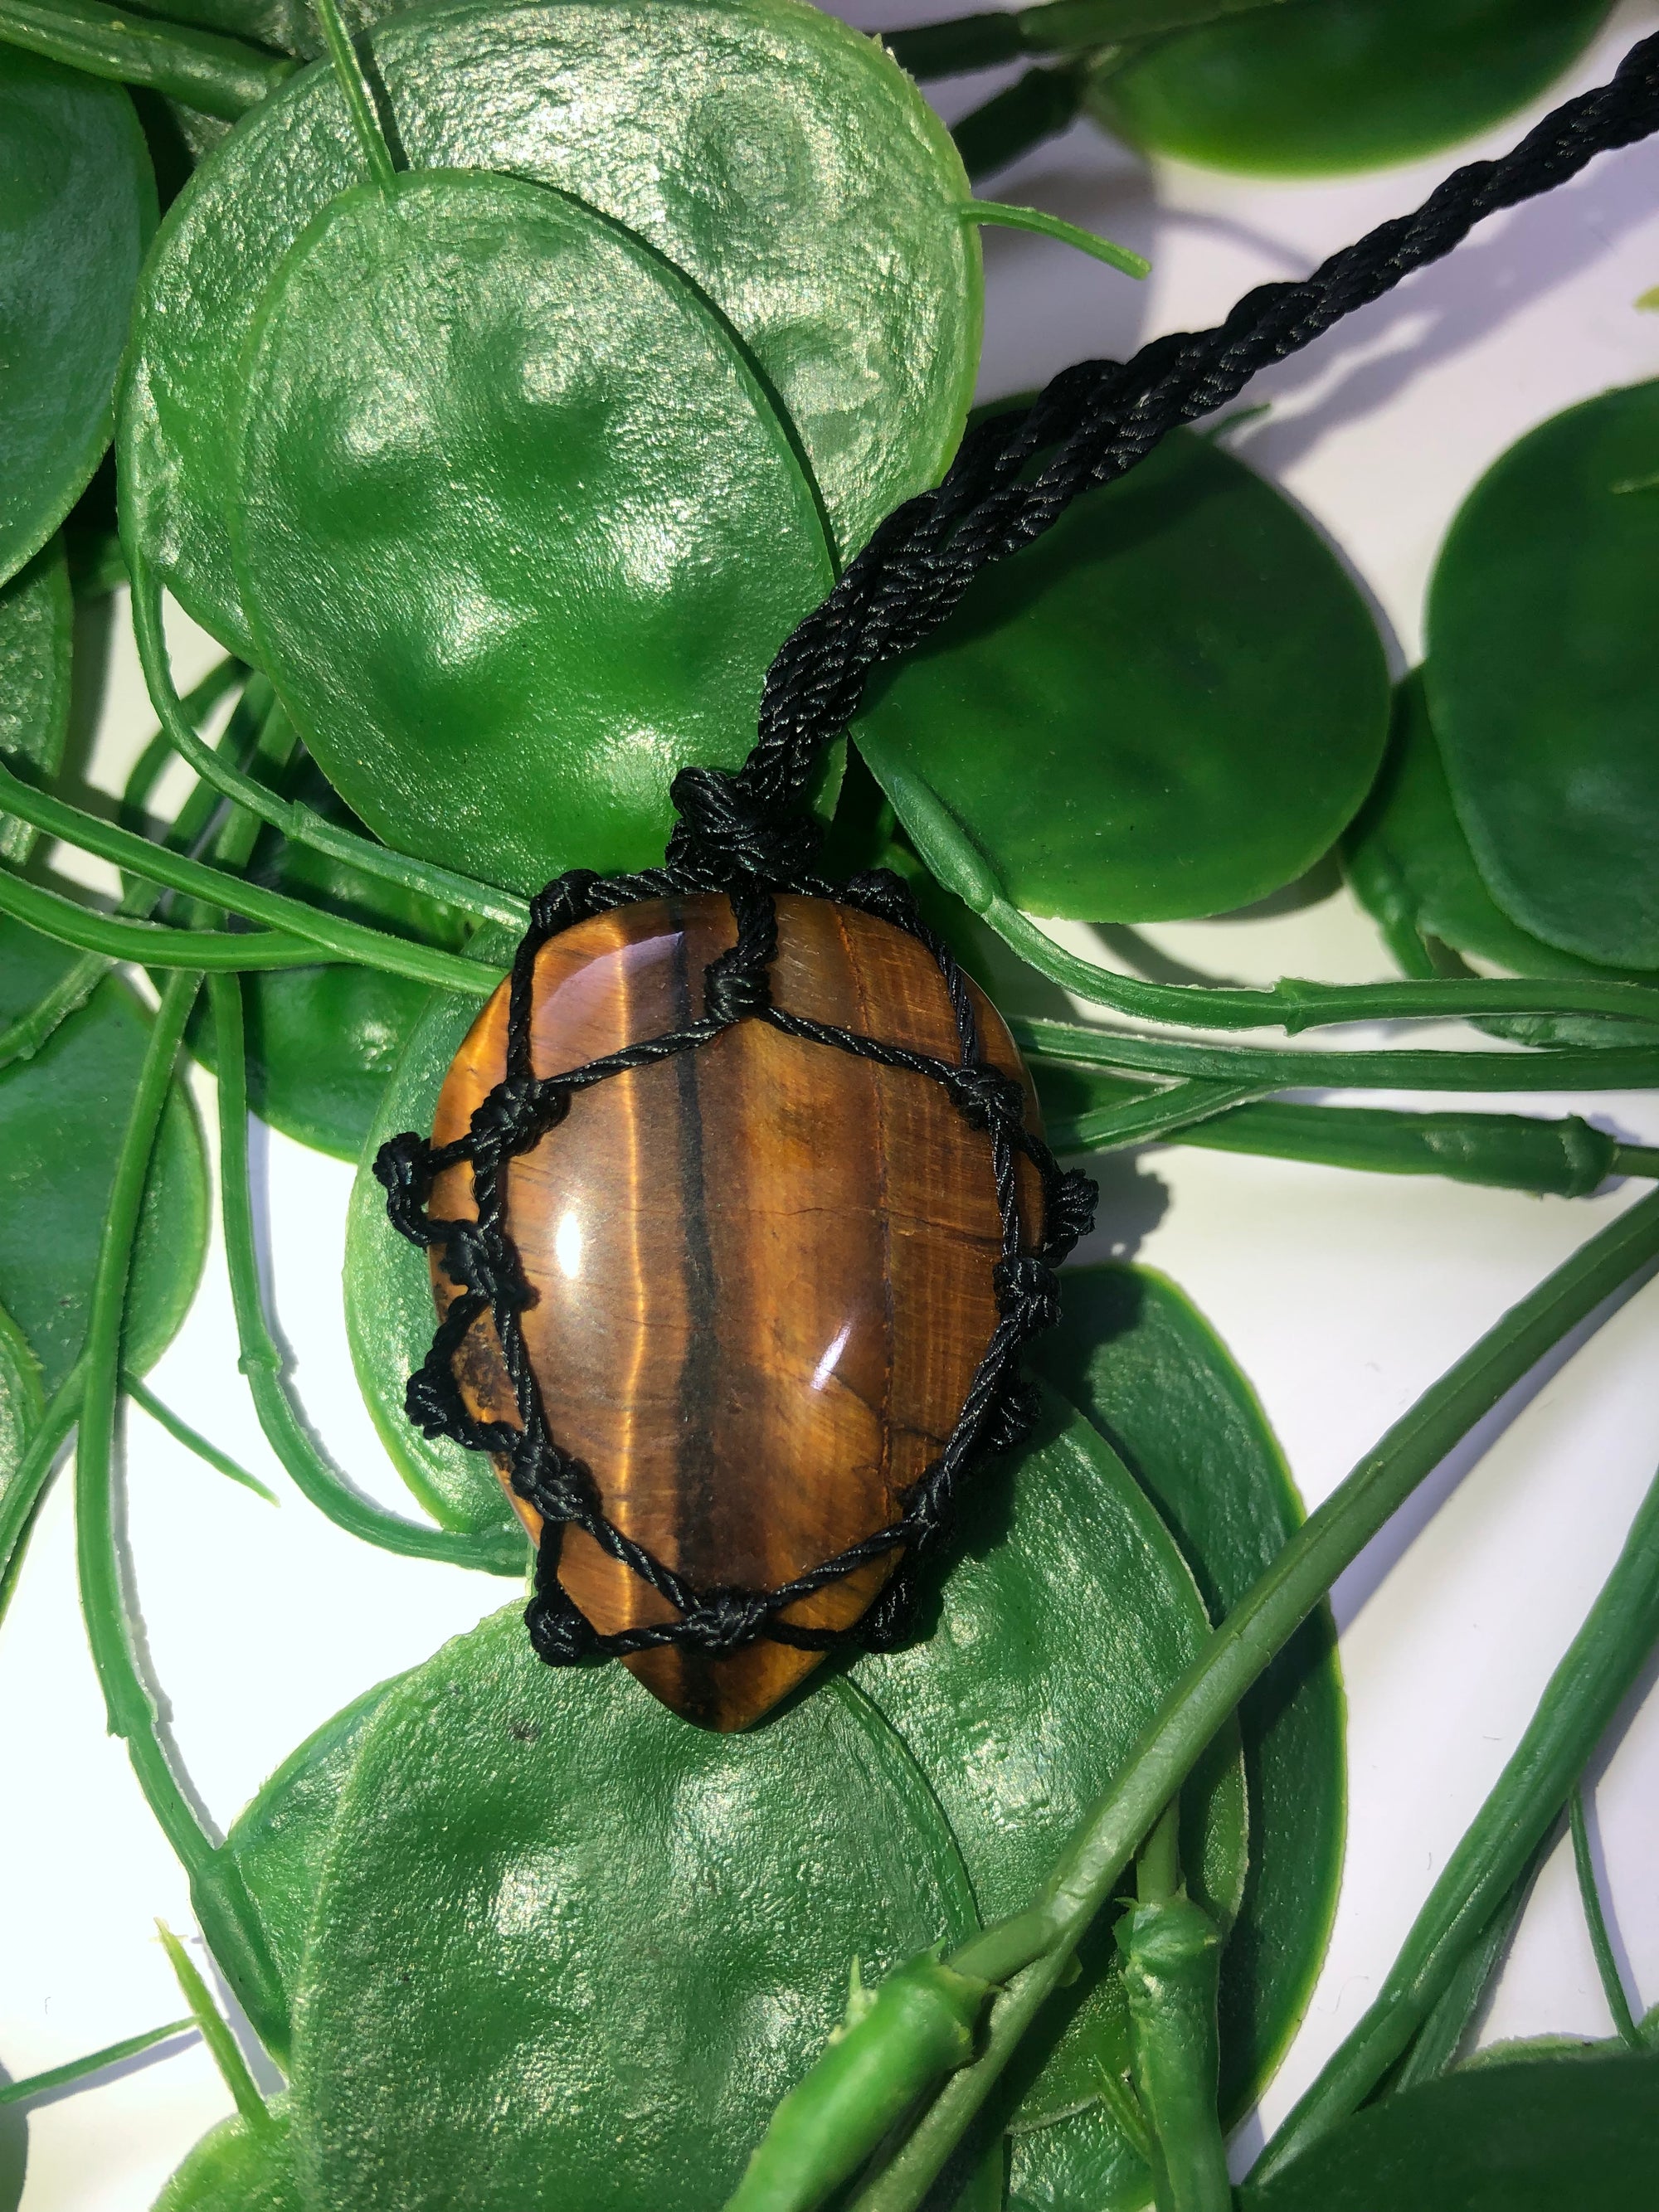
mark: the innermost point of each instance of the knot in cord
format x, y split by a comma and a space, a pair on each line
727, 832
403, 1167
984, 1095
1028, 1293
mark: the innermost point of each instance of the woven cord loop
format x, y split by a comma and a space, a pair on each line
740, 833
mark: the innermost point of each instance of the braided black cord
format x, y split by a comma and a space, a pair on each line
1103, 416
739, 833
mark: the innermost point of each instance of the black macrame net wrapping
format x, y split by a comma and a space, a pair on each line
744, 834
479, 1257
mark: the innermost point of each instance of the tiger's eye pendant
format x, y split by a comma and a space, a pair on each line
760, 1272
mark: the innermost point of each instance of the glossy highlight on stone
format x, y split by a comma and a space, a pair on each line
762, 1268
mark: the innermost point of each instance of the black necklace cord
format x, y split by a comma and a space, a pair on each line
742, 834
1103, 416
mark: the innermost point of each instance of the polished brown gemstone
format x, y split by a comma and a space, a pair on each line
762, 1268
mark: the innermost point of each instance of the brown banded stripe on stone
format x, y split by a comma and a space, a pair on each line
762, 1268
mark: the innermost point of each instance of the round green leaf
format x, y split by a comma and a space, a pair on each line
322, 1042
1342, 84
776, 157
62, 1117
1411, 867
78, 205
1064, 1619
239, 2168
37, 625
1556, 2137
564, 1942
520, 533
1543, 665
1148, 1370
1170, 705
390, 1314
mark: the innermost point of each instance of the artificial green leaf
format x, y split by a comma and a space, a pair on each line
563, 1940
239, 2167
62, 1117
1558, 2137
1065, 1615
776, 157
1542, 667
37, 624
1410, 865
506, 609
279, 1840
1145, 1367
322, 1042
390, 1314
78, 205
1341, 84
1170, 705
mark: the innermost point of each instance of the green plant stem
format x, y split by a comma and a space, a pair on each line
32, 1474
1237, 1653
192, 1440
22, 1039
1171, 1975
360, 106
1636, 1159
999, 216
215, 2032
1294, 1005
1435, 2047
157, 943
129, 1708
1146, 1117
1582, 1695
1045, 101
493, 1550
199, 69
331, 936
973, 42
302, 823
198, 704
1565, 1157
60, 2078
1589, 1897
221, 1903
1582, 1067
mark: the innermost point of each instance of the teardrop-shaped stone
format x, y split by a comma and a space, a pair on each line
762, 1268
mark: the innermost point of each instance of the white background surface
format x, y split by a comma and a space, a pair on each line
1341, 1296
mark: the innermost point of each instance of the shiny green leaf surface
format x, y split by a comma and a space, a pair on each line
1066, 1613
1327, 85
239, 2168
1170, 705
560, 1933
1542, 668
1556, 2137
322, 1042
773, 155
390, 1316
36, 622
505, 607
1410, 865
1146, 1368
62, 1115
78, 205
